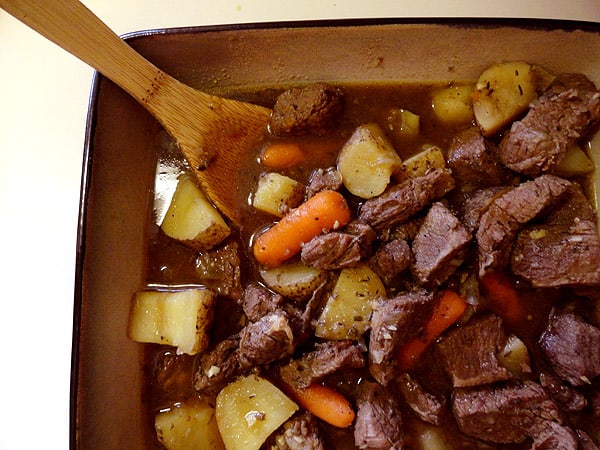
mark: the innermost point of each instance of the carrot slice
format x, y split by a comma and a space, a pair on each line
327, 404
281, 155
324, 211
450, 307
502, 297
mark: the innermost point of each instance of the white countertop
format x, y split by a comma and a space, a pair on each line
43, 105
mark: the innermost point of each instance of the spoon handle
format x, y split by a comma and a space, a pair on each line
72, 26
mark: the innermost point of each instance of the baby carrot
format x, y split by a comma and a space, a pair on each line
327, 404
324, 211
449, 309
502, 297
281, 155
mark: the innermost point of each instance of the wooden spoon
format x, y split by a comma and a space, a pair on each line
213, 133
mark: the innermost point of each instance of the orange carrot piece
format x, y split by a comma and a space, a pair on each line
450, 307
502, 297
327, 404
324, 211
281, 155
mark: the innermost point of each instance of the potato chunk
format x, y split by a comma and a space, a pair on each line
181, 319
189, 427
575, 163
348, 308
503, 93
277, 194
418, 165
367, 161
250, 409
192, 219
453, 104
294, 280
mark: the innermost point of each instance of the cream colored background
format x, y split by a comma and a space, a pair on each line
43, 105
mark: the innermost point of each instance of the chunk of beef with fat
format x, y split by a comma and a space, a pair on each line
217, 367
220, 269
258, 301
429, 407
566, 397
571, 346
339, 249
329, 179
476, 203
378, 422
474, 160
298, 433
400, 202
391, 259
553, 436
306, 109
326, 358
266, 340
508, 213
394, 322
538, 142
439, 247
564, 250
469, 352
504, 414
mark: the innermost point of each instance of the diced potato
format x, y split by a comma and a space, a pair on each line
504, 91
432, 438
294, 280
367, 161
192, 219
180, 319
431, 157
348, 308
453, 104
403, 123
515, 357
276, 194
189, 427
575, 163
250, 409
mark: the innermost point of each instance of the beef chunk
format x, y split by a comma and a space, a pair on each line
327, 358
378, 419
339, 249
258, 301
558, 255
508, 213
474, 159
393, 323
429, 407
329, 179
469, 353
391, 259
217, 367
299, 433
399, 202
565, 250
553, 436
477, 203
571, 347
503, 414
439, 247
220, 269
269, 339
566, 397
300, 110
555, 120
